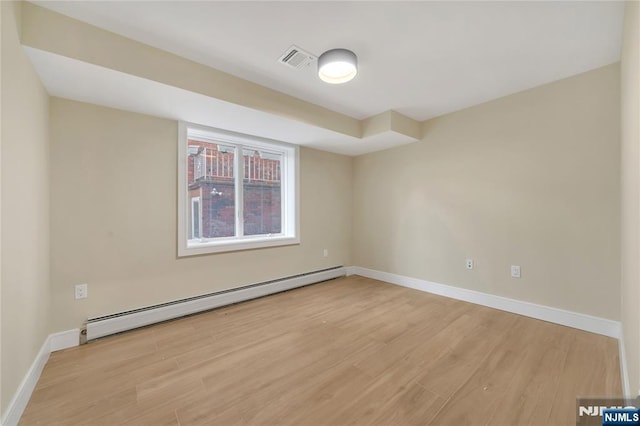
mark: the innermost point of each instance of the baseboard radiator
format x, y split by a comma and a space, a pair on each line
123, 321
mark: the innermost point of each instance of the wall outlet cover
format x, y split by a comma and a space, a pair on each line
81, 291
515, 271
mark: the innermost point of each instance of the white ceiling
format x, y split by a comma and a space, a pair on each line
422, 59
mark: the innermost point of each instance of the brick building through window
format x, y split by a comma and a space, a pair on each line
212, 193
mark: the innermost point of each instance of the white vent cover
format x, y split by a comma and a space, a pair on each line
296, 58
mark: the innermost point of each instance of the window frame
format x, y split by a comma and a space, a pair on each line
290, 196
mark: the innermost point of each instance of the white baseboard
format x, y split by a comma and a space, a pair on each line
624, 373
21, 397
64, 340
577, 320
53, 342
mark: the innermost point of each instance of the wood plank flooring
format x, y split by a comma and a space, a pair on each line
347, 351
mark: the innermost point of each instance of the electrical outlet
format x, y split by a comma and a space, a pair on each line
469, 264
325, 252
515, 271
82, 291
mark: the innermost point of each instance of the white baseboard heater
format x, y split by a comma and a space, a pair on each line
123, 321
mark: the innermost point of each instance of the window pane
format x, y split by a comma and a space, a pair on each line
195, 217
210, 175
262, 186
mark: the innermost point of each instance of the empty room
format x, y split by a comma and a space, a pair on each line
320, 213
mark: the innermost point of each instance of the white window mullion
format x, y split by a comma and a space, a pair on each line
239, 181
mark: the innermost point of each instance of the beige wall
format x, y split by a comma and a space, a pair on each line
113, 217
25, 209
530, 179
630, 180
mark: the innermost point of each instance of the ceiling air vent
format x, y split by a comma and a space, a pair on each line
296, 58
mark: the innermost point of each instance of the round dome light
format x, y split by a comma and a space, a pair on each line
337, 66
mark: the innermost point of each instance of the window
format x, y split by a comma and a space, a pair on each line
236, 191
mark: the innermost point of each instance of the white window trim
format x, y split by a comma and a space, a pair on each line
291, 205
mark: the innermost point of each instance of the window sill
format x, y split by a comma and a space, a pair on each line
207, 247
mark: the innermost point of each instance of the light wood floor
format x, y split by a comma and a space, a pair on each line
348, 351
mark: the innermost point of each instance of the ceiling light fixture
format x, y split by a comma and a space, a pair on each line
337, 66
